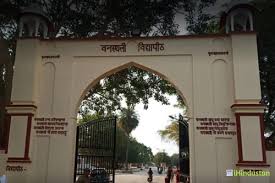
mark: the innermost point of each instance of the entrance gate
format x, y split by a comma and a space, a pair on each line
95, 149
218, 75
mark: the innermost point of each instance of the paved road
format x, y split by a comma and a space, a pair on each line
139, 177
132, 178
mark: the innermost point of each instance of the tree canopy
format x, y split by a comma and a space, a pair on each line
171, 132
162, 157
266, 48
85, 18
128, 120
133, 85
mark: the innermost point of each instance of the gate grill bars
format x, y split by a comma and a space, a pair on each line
96, 146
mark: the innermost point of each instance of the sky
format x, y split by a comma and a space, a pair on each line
155, 118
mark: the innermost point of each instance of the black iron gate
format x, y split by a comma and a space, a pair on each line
95, 149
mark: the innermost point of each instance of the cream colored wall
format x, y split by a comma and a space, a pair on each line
245, 59
206, 82
185, 63
26, 70
270, 156
247, 142
18, 135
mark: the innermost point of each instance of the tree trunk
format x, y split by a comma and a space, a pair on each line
127, 150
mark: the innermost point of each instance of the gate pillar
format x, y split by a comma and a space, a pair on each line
248, 111
21, 111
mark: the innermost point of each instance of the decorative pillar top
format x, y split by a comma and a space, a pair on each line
33, 22
238, 17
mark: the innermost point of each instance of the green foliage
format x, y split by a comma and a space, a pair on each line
197, 16
132, 84
88, 117
139, 153
86, 18
162, 157
128, 120
171, 132
174, 159
265, 26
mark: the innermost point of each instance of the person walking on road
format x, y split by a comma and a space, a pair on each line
150, 174
169, 173
178, 176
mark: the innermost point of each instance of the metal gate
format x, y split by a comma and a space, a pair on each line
95, 149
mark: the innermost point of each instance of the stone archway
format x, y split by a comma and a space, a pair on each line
149, 70
220, 82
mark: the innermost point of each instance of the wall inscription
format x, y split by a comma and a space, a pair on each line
114, 48
141, 47
218, 53
216, 126
150, 47
12, 168
50, 126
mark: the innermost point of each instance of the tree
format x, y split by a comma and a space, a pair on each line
175, 159
171, 132
266, 50
88, 117
6, 70
85, 18
198, 18
139, 153
162, 157
132, 84
128, 121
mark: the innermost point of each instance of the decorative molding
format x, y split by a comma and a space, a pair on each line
19, 160
248, 108
26, 158
252, 164
18, 109
97, 38
247, 105
22, 105
239, 139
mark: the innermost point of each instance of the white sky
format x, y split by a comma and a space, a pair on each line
155, 118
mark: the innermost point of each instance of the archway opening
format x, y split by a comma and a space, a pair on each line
130, 93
